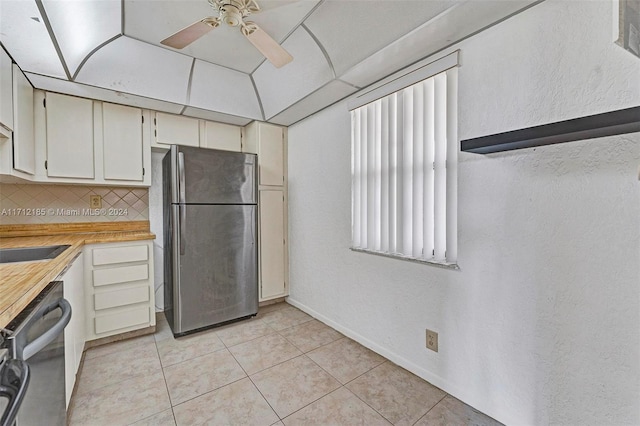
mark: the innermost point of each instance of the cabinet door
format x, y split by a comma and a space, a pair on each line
175, 129
221, 136
6, 87
69, 136
24, 148
272, 255
74, 332
271, 155
122, 132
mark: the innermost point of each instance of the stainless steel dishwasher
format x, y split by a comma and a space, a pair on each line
36, 336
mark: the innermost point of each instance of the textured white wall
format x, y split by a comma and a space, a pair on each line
541, 325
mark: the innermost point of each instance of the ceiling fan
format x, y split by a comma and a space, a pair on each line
232, 13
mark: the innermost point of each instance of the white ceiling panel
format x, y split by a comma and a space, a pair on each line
216, 116
280, 87
81, 26
135, 67
24, 35
357, 41
350, 31
448, 28
92, 92
327, 95
153, 21
221, 89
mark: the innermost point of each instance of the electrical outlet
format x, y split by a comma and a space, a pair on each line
432, 340
95, 202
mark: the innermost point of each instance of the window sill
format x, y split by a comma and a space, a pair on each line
445, 265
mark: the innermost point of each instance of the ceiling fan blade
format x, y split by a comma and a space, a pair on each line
270, 48
189, 34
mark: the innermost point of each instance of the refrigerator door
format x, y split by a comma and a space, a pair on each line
209, 176
217, 262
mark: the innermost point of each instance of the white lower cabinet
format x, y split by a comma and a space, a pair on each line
74, 332
119, 295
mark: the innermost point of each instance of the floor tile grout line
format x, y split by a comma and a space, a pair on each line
429, 410
192, 358
166, 385
301, 355
327, 371
250, 340
279, 363
314, 401
306, 321
208, 392
327, 344
257, 388
311, 350
344, 385
367, 404
189, 359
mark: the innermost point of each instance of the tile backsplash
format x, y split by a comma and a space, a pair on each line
24, 204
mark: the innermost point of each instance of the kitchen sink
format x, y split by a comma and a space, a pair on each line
30, 254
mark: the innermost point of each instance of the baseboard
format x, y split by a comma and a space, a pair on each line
118, 337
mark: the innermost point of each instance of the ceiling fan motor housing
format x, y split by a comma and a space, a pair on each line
231, 12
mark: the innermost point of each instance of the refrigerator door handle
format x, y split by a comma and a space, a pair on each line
183, 230
181, 183
181, 200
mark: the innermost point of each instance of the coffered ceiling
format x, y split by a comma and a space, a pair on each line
110, 50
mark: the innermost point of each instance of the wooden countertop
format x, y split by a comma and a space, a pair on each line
21, 282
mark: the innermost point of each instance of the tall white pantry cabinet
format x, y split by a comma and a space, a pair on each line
270, 143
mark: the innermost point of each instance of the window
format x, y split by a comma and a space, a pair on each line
404, 167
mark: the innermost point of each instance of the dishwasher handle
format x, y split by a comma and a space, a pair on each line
29, 350
14, 380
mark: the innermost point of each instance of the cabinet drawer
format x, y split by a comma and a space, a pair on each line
122, 274
122, 297
106, 256
118, 320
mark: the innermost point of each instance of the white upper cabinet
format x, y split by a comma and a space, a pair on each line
122, 143
220, 136
24, 148
78, 140
268, 142
169, 129
69, 126
175, 129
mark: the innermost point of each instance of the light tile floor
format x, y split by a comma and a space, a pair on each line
280, 368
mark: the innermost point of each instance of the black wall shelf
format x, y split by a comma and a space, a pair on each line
592, 126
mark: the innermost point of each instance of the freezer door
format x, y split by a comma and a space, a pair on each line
210, 176
216, 252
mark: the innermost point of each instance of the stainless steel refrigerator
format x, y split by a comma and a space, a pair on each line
210, 237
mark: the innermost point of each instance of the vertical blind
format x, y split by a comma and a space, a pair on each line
404, 171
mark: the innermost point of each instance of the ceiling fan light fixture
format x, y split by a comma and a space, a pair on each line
230, 15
